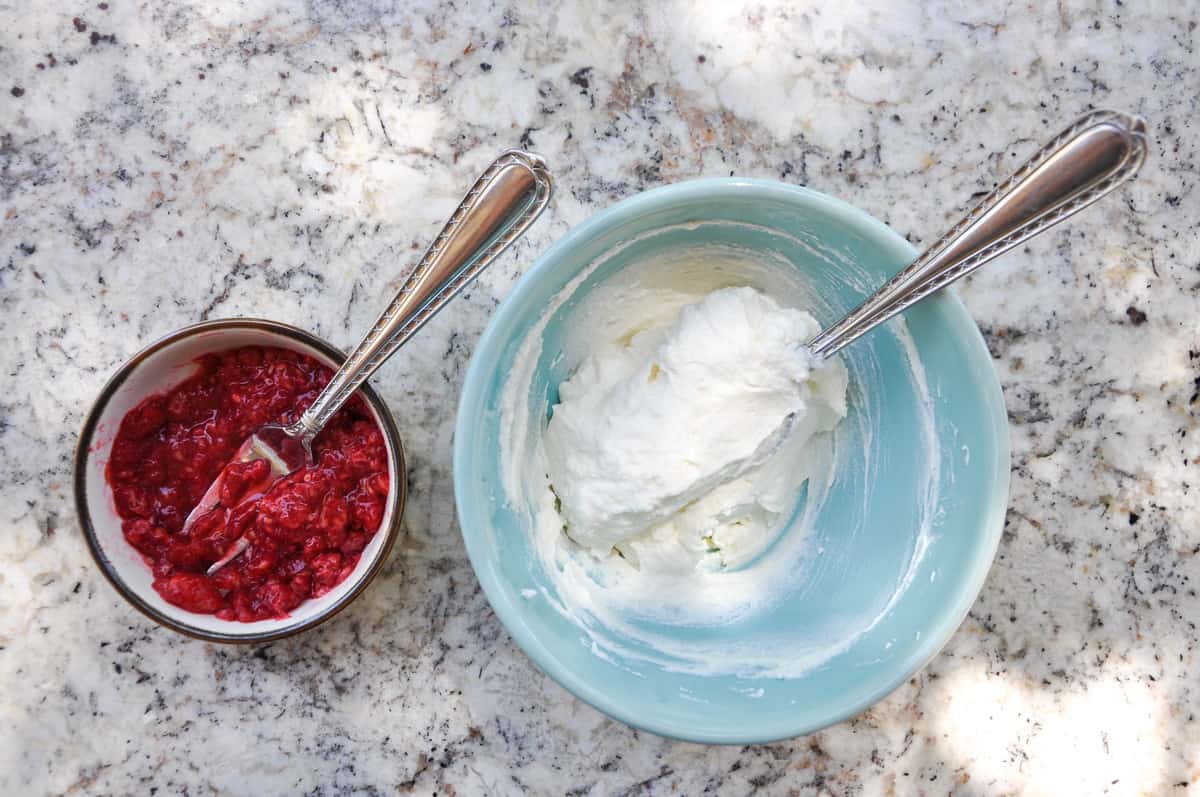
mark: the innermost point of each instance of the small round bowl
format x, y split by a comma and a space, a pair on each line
157, 368
895, 571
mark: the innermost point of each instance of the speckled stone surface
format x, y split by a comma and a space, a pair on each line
166, 162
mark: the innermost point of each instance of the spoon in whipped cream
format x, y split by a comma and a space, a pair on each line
681, 426
1099, 152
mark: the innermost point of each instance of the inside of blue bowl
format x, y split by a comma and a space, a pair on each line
890, 575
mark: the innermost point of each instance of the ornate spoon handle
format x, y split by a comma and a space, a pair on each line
1099, 152
504, 201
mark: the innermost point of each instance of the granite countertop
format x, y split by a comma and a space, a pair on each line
166, 162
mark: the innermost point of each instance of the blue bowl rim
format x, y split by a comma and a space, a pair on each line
942, 626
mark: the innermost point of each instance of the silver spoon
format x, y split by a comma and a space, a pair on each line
1099, 152
1102, 150
503, 202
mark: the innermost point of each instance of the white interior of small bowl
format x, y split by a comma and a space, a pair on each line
157, 373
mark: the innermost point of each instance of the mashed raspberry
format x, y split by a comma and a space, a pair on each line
305, 532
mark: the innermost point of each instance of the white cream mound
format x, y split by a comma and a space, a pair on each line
682, 442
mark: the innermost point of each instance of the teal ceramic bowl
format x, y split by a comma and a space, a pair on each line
872, 552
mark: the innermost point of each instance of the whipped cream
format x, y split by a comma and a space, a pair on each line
680, 564
679, 441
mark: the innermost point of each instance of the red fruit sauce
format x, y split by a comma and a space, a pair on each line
305, 532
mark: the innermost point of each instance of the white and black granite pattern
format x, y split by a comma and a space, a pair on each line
165, 162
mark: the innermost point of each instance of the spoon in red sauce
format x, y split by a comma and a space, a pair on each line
503, 202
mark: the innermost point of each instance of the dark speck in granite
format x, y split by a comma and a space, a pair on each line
580, 78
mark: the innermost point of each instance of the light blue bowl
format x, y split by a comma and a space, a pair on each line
825, 237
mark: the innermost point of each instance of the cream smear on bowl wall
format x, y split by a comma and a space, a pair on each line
692, 351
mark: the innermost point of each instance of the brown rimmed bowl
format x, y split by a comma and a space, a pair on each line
157, 368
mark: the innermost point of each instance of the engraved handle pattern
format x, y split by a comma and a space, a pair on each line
503, 202
1099, 152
